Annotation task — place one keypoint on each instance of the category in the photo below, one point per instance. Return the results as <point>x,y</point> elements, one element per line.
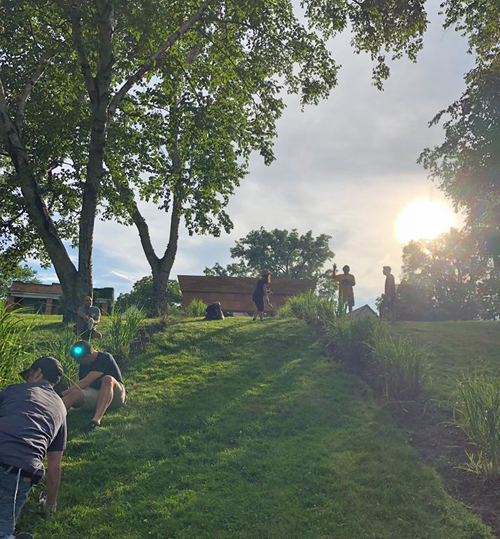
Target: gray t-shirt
<point>32,423</point>
<point>81,323</point>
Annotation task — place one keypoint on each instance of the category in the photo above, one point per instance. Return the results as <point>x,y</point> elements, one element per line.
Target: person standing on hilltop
<point>346,283</point>
<point>389,295</point>
<point>261,290</point>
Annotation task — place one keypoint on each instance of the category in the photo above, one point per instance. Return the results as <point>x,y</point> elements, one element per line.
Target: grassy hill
<point>245,430</point>
<point>455,347</point>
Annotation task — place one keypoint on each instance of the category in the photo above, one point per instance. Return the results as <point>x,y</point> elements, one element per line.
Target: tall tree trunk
<point>160,267</point>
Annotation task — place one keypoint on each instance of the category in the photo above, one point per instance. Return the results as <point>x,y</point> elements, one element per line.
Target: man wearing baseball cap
<point>32,425</point>
<point>100,383</point>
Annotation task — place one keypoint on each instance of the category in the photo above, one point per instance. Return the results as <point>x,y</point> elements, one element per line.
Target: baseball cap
<point>51,369</point>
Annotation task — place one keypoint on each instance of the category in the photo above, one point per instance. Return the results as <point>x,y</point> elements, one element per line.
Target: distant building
<point>46,298</point>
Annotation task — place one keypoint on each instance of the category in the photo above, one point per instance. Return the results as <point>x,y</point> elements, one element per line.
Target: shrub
<point>196,308</point>
<point>403,365</point>
<point>14,345</point>
<point>123,330</point>
<point>477,413</point>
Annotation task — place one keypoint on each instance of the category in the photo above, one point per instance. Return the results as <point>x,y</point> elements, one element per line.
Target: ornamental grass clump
<point>350,339</point>
<point>404,366</point>
<point>15,346</point>
<point>477,413</point>
<point>123,330</point>
<point>311,308</point>
<point>196,308</point>
<point>59,347</point>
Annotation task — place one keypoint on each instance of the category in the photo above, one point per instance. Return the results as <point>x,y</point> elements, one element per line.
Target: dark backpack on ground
<point>214,312</point>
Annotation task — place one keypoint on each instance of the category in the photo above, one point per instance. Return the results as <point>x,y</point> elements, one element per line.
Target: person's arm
<point>81,314</point>
<point>54,460</point>
<point>91,377</point>
<point>98,315</point>
<point>353,281</point>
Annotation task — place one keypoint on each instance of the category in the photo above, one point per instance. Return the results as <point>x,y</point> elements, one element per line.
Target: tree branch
<point>24,96</point>
<point>76,28</point>
<point>149,64</point>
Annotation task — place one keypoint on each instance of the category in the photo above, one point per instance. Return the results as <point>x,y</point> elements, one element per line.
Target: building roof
<point>365,309</point>
<point>51,289</point>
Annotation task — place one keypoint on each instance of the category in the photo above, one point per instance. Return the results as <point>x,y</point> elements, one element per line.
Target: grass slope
<point>244,430</point>
<point>455,347</point>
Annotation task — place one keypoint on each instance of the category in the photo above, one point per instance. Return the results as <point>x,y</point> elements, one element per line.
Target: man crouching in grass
<point>100,386</point>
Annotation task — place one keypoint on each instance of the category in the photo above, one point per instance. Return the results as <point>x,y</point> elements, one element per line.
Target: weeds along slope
<point>244,430</point>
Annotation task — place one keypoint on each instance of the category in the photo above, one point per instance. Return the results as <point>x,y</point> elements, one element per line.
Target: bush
<point>14,345</point>
<point>403,364</point>
<point>478,415</point>
<point>123,330</point>
<point>196,308</point>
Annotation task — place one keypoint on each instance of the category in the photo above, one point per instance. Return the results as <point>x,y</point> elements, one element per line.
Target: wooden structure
<point>235,293</point>
<point>44,298</point>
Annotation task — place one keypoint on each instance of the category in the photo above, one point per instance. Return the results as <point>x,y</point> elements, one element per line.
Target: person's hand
<point>334,269</point>
<point>45,507</point>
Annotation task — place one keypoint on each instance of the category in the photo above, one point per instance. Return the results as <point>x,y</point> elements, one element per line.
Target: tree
<point>441,278</point>
<point>9,274</point>
<point>77,77</point>
<point>143,295</point>
<point>283,253</point>
<point>466,165</point>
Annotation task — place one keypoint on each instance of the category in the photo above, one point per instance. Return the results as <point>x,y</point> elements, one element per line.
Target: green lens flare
<point>77,350</point>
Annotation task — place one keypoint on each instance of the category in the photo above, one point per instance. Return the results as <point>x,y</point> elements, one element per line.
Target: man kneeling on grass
<point>100,386</point>
<point>32,425</point>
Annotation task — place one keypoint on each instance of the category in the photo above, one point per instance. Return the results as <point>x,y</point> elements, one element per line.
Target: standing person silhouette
<point>346,283</point>
<point>262,289</point>
<point>389,295</point>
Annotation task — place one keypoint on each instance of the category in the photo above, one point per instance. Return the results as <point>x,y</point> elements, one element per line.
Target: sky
<point>346,168</point>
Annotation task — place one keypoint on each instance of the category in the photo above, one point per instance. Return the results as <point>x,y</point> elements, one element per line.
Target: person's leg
<point>96,334</point>
<point>261,315</point>
<point>13,493</point>
<point>75,397</point>
<point>106,394</point>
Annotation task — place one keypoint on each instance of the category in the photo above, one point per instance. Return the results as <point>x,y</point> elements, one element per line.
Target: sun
<point>424,219</point>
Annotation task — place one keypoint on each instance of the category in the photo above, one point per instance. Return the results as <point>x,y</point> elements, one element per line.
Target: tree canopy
<point>19,272</point>
<point>447,279</point>
<point>100,100</point>
<point>284,253</point>
<point>466,166</point>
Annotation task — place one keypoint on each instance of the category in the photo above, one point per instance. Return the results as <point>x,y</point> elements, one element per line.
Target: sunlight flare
<point>424,219</point>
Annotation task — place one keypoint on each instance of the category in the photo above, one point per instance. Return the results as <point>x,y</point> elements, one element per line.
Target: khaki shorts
<point>91,396</point>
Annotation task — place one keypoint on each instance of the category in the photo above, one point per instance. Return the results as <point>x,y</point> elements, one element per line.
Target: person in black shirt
<point>100,386</point>
<point>32,425</point>
<point>261,290</point>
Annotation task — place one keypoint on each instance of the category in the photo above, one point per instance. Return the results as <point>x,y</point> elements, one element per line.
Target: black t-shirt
<point>32,423</point>
<point>259,289</point>
<point>104,363</point>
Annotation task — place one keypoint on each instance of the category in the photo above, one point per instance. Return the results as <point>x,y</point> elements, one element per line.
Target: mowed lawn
<point>245,430</point>
<point>455,348</point>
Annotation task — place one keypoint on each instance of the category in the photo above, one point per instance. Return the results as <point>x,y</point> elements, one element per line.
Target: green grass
<point>244,430</point>
<point>455,347</point>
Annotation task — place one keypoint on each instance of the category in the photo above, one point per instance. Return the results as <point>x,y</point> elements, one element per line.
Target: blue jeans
<point>14,490</point>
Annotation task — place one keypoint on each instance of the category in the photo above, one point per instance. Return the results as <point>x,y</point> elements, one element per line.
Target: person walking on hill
<point>346,283</point>
<point>261,291</point>
<point>100,386</point>
<point>87,318</point>
<point>389,296</point>
<point>32,426</point>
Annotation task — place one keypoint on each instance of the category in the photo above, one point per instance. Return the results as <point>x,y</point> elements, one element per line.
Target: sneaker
<point>24,535</point>
<point>92,426</point>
